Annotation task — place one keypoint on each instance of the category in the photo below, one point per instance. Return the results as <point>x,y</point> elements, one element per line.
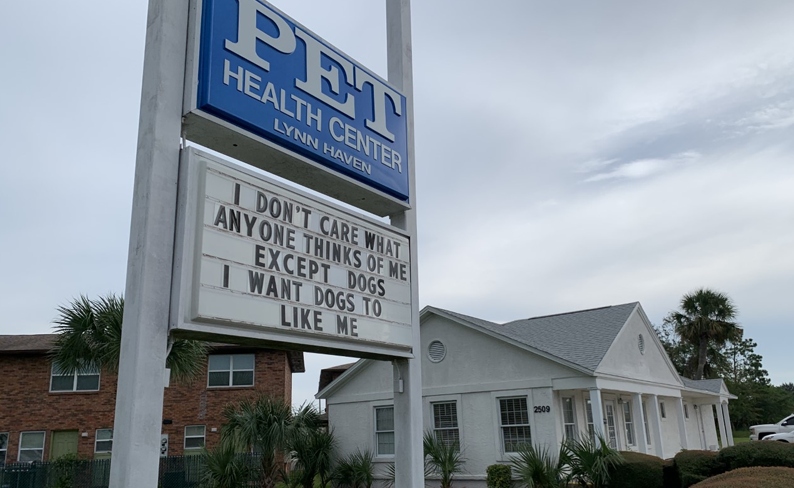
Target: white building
<point>542,379</point>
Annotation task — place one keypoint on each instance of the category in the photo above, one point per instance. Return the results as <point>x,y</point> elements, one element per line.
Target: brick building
<point>45,414</point>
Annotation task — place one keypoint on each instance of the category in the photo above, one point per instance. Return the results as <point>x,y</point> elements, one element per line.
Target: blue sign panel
<point>263,73</point>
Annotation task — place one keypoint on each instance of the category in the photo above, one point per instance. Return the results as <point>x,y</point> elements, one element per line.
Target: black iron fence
<point>175,472</point>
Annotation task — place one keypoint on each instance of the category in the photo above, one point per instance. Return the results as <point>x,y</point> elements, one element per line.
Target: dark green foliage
<point>754,454</point>
<point>538,467</point>
<point>751,478</point>
<point>695,466</point>
<point>89,336</point>
<point>313,451</point>
<point>637,470</point>
<point>444,460</point>
<point>499,476</point>
<point>670,475</point>
<point>225,468</point>
<point>355,471</point>
<point>591,461</point>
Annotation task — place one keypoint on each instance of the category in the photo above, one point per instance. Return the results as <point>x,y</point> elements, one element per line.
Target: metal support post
<point>409,457</point>
<point>139,400</point>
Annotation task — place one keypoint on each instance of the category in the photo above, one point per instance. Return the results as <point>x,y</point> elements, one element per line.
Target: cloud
<point>644,168</point>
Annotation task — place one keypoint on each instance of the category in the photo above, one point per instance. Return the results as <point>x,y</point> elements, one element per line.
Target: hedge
<point>695,466</point>
<point>753,454</point>
<point>638,470</point>
<point>499,476</point>
<point>767,477</point>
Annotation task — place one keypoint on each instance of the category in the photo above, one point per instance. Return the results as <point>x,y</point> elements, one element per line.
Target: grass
<point>740,436</point>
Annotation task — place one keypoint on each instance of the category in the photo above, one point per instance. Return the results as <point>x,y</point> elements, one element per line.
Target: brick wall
<point>26,403</point>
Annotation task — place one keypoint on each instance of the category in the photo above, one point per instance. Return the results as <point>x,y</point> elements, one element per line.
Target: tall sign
<point>260,74</point>
<point>262,261</point>
<point>221,253</point>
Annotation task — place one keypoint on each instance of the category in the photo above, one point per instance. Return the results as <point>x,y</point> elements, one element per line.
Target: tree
<point>89,337</point>
<point>705,318</point>
<point>267,425</point>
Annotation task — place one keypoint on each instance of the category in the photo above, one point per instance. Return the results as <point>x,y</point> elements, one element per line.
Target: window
<point>445,422</point>
<point>384,431</point>
<point>662,411</point>
<point>3,448</point>
<point>628,423</point>
<point>590,425</point>
<point>645,421</point>
<point>104,441</point>
<point>86,379</point>
<point>31,447</point>
<point>231,370</point>
<point>514,422</point>
<point>194,436</point>
<point>686,411</point>
<point>569,419</point>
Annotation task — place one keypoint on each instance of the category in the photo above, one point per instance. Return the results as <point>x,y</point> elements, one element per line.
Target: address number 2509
<point>543,409</point>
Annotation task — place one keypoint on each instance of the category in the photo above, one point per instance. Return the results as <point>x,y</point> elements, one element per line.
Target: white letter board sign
<point>259,262</point>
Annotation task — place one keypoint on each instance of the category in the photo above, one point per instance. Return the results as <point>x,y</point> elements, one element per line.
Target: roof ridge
<point>575,311</point>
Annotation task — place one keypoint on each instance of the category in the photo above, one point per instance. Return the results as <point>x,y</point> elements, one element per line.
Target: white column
<point>139,398</point>
<point>721,423</point>
<point>728,423</point>
<point>679,404</point>
<point>656,425</point>
<point>409,454</point>
<point>598,412</point>
<point>639,422</point>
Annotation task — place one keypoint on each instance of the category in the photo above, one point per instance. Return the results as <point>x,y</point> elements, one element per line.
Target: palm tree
<point>89,337</point>
<point>705,317</point>
<point>443,458</point>
<point>267,425</point>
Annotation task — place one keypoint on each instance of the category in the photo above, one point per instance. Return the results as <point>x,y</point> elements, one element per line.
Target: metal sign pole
<point>409,456</point>
<point>139,400</point>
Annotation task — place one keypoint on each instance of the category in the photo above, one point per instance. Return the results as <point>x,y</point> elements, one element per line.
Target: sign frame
<point>227,138</point>
<point>187,257</point>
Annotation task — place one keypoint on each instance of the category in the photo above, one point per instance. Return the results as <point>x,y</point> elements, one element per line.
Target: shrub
<point>443,459</point>
<point>766,477</point>
<point>754,454</point>
<point>670,475</point>
<point>637,470</point>
<point>591,461</point>
<point>499,476</point>
<point>538,467</point>
<point>695,466</point>
<point>355,471</point>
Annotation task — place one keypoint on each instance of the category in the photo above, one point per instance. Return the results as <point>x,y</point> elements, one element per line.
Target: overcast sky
<point>570,155</point>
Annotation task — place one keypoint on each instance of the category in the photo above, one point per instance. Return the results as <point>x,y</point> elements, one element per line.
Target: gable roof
<point>581,338</point>
<point>715,385</point>
<point>42,343</point>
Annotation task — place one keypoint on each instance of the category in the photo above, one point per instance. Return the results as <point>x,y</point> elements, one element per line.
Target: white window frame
<point>97,440</point>
<point>436,428</point>
<point>662,410</point>
<point>231,371</point>
<point>4,449</point>
<point>686,411</point>
<point>628,424</point>
<point>385,431</point>
<point>74,376</point>
<point>43,444</point>
<point>203,438</point>
<point>502,426</point>
<point>575,436</point>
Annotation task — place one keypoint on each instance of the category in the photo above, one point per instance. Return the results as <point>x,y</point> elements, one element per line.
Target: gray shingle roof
<point>712,386</point>
<point>581,337</point>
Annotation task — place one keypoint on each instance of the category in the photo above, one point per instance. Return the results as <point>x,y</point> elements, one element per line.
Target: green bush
<point>766,477</point>
<point>695,466</point>
<point>637,470</point>
<point>670,475</point>
<point>755,454</point>
<point>499,476</point>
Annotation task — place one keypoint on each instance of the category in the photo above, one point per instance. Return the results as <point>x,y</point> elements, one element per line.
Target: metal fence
<point>175,472</point>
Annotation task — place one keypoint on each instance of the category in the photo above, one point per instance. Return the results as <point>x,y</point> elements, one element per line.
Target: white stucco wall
<point>624,358</point>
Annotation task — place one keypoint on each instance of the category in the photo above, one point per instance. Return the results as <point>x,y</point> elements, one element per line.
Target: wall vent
<point>437,351</point>
<point>641,344</point>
